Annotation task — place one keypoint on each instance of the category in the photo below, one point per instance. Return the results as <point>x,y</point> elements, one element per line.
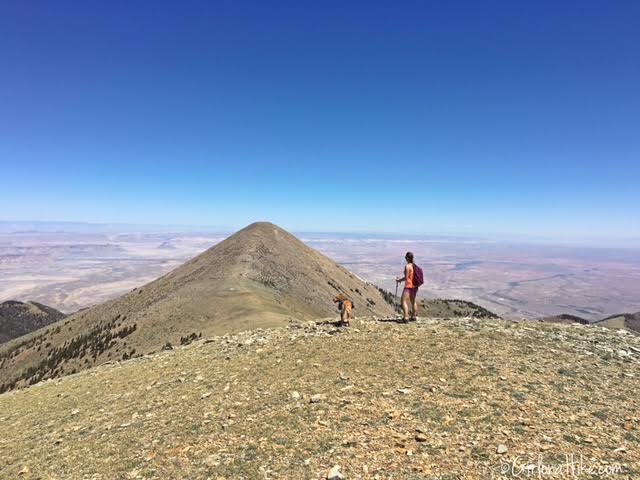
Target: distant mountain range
<point>20,318</point>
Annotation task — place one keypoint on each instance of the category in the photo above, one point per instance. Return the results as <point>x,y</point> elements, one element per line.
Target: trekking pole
<point>396,298</point>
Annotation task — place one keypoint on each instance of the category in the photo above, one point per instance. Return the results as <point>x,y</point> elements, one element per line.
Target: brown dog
<point>345,305</point>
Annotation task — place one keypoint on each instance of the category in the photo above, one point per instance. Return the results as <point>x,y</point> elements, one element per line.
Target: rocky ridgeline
<point>438,398</point>
<point>587,340</point>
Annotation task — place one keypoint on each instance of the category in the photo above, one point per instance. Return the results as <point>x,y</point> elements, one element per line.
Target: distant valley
<point>70,270</point>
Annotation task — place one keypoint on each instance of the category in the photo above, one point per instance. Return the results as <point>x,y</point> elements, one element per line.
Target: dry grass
<point>427,400</point>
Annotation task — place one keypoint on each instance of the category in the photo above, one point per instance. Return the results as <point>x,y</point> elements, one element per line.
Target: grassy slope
<point>261,276</point>
<point>226,409</point>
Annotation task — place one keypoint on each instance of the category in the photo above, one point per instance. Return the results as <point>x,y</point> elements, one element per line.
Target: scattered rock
<point>134,474</point>
<point>380,417</point>
<point>335,474</point>
<point>317,398</point>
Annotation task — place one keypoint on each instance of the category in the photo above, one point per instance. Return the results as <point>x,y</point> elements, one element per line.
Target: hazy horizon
<point>73,265</point>
<point>10,226</point>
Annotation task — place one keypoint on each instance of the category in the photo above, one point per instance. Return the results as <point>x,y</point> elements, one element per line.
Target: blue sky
<point>473,117</point>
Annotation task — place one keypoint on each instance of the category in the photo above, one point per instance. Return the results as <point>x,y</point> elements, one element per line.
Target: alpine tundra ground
<point>437,399</point>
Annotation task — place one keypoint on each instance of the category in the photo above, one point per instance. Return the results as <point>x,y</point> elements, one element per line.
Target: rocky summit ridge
<point>438,398</point>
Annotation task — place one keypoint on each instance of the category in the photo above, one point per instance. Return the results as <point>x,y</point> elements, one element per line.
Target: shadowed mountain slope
<point>448,308</point>
<point>261,276</point>
<point>20,318</point>
<point>565,318</point>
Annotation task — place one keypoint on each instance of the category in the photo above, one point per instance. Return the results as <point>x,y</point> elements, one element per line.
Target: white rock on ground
<point>335,474</point>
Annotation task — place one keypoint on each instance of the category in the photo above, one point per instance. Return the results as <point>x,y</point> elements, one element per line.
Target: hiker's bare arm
<point>400,280</point>
<point>408,271</point>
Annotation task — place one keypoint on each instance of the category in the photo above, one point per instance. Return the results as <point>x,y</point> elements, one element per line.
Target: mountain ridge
<point>629,321</point>
<point>20,318</point>
<point>261,276</point>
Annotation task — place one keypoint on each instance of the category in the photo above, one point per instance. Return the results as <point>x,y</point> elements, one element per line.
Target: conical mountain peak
<point>261,276</point>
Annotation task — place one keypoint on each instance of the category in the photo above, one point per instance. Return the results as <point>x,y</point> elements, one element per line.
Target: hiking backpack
<point>418,276</point>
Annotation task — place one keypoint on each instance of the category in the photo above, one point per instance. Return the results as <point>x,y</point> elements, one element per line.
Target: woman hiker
<point>410,290</point>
